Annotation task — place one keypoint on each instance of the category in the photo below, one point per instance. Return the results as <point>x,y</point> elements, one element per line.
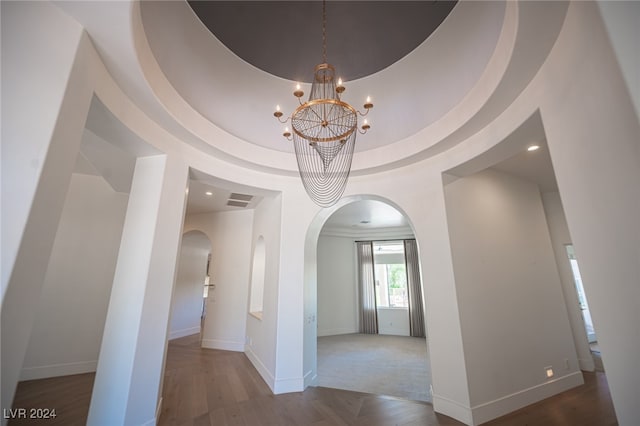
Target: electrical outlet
<point>566,364</point>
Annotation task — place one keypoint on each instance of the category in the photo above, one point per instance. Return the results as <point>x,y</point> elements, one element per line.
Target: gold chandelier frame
<point>324,132</point>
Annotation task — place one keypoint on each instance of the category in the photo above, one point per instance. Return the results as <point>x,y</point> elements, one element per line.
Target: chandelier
<point>323,130</point>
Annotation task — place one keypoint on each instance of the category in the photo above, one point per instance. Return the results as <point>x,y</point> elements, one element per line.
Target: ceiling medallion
<point>324,132</point>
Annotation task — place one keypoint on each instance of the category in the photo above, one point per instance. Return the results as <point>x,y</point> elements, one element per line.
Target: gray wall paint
<point>513,315</point>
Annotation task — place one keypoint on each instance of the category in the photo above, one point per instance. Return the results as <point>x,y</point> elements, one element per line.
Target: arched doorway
<point>337,353</point>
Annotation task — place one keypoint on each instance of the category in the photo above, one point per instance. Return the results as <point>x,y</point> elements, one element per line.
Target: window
<point>390,274</point>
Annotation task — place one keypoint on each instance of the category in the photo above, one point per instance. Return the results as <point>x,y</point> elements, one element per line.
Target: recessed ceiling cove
<point>284,38</point>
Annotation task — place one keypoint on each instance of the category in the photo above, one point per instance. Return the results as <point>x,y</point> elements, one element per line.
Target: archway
<point>338,325</point>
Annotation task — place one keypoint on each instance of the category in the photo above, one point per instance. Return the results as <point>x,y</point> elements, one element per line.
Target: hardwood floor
<point>210,387</point>
<point>68,395</point>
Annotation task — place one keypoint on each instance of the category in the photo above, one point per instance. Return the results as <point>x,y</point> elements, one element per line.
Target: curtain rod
<point>382,241</point>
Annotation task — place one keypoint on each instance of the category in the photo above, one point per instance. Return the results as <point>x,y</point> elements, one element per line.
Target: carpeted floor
<point>384,365</point>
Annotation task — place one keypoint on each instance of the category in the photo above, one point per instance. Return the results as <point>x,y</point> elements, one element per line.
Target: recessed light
<point>209,193</point>
<point>533,148</point>
<point>549,372</point>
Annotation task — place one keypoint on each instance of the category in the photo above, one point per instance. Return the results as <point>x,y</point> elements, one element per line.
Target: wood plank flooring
<point>68,395</point>
<point>210,387</point>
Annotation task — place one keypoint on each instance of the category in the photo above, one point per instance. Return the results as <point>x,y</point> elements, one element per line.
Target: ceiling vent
<point>240,197</point>
<point>235,203</point>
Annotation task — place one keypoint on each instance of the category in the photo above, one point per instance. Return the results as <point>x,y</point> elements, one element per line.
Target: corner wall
<point>512,310</point>
<point>337,287</point>
<point>67,332</point>
<point>560,236</point>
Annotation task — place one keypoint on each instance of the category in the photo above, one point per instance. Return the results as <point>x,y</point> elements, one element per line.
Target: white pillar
<point>131,359</point>
<point>593,136</point>
<point>46,95</point>
<point>444,330</point>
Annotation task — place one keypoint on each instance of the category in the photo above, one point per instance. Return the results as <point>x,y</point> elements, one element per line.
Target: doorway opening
<point>391,360</point>
<point>584,309</point>
<point>192,286</point>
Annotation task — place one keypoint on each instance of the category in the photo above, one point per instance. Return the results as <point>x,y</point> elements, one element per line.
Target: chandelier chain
<point>323,131</point>
<point>324,32</point>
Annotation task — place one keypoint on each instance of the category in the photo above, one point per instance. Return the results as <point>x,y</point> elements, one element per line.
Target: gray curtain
<point>367,286</point>
<point>414,287</point>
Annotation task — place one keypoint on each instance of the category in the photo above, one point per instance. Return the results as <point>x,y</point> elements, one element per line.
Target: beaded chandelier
<point>323,130</point>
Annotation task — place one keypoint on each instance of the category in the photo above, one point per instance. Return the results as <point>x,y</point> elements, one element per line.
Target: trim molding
<point>55,370</point>
<point>292,384</point>
<point>587,364</point>
<point>310,379</point>
<point>262,369</point>
<point>225,345</point>
<point>158,411</point>
<point>336,331</point>
<point>506,404</point>
<point>452,408</point>
<point>400,232</point>
<point>184,332</point>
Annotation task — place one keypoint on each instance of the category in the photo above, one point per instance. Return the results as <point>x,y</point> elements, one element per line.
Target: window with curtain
<point>366,285</point>
<point>389,277</point>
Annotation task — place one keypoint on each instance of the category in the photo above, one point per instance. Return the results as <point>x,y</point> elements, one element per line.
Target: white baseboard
<point>158,411</point>
<point>310,379</point>
<point>55,370</point>
<point>152,422</point>
<point>184,332</point>
<point>292,384</point>
<point>262,369</point>
<point>501,406</point>
<point>224,345</point>
<point>586,364</point>
<point>452,408</point>
<point>336,331</point>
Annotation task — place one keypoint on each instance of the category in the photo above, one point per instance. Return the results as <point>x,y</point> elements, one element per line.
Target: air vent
<point>235,203</point>
<point>240,197</point>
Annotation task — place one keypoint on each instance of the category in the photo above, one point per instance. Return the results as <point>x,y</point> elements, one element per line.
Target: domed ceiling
<point>233,62</point>
<point>284,38</point>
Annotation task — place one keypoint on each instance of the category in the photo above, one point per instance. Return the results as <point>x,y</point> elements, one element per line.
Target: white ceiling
<point>533,166</point>
<point>366,214</point>
<point>199,201</point>
<point>239,98</point>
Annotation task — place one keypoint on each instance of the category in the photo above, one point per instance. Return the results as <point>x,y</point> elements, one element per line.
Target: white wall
<point>230,236</point>
<point>513,316</point>
<point>44,83</point>
<point>560,236</point>
<point>186,305</point>
<point>394,321</point>
<point>70,318</point>
<point>592,132</point>
<point>337,289</point>
<point>262,332</point>
<point>621,21</point>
